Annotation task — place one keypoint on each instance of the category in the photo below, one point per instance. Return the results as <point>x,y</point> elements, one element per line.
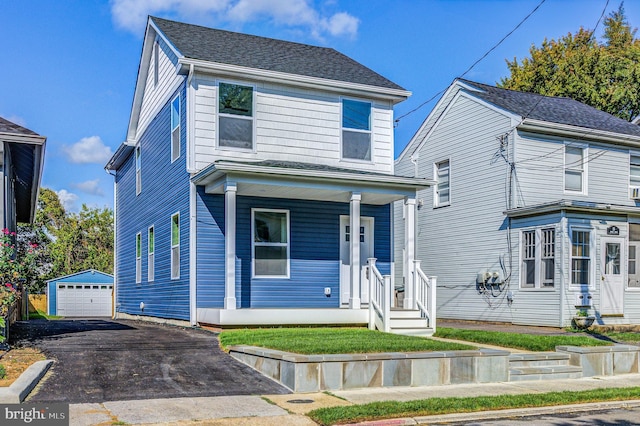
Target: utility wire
<point>495,46</point>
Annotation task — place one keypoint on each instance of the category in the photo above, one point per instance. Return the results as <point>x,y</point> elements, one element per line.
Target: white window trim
<point>436,198</point>
<point>151,262</point>
<point>137,158</point>
<point>174,157</point>
<point>253,117</point>
<point>538,260</point>
<point>253,244</point>
<point>585,167</point>
<point>138,258</point>
<point>370,131</point>
<point>176,277</point>
<point>631,154</point>
<point>592,255</point>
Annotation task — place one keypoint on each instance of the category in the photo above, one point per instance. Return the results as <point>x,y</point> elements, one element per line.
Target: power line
<point>495,46</point>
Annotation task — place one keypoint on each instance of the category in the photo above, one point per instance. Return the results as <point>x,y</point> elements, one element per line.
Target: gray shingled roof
<point>7,126</point>
<point>213,45</point>
<point>553,109</point>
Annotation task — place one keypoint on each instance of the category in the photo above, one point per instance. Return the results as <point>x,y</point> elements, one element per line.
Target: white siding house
<point>533,214</point>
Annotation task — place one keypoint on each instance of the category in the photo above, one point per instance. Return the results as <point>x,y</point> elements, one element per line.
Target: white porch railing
<point>380,297</point>
<point>425,293</point>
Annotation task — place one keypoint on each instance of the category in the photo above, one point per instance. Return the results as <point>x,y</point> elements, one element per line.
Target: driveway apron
<point>103,360</point>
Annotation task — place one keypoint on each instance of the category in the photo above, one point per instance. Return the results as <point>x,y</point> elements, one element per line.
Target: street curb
<point>512,413</point>
<point>18,391</point>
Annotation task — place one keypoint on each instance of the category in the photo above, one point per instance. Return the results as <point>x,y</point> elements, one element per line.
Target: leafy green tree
<point>605,75</point>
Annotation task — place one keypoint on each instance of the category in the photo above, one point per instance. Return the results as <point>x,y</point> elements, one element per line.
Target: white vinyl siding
<point>175,128</point>
<point>575,169</point>
<point>580,257</point>
<point>138,258</point>
<point>270,248</point>
<point>290,125</point>
<point>538,258</point>
<point>151,243</point>
<point>442,173</point>
<point>175,246</point>
<point>138,170</point>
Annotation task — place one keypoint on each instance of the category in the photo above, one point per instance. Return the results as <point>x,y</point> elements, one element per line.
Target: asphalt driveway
<point>103,360</point>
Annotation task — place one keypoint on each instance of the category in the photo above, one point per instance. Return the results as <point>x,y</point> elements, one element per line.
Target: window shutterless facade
<point>175,129</point>
<point>580,257</point>
<point>151,243</point>
<point>574,168</point>
<point>442,189</point>
<point>235,116</point>
<point>356,130</point>
<point>270,229</point>
<point>138,258</point>
<point>138,170</point>
<point>175,246</point>
<point>538,258</point>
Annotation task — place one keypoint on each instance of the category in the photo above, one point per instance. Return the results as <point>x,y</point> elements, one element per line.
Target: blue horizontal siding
<point>165,191</point>
<point>314,252</point>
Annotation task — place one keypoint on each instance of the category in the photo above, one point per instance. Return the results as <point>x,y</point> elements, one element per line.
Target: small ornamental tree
<point>14,270</point>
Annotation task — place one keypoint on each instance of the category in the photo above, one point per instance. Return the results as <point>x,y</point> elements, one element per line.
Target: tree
<point>605,75</point>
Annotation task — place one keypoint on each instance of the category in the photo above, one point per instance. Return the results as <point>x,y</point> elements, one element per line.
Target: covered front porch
<point>289,255</point>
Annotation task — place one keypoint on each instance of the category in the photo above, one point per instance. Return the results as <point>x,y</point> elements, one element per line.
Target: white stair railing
<point>425,292</point>
<point>379,298</point>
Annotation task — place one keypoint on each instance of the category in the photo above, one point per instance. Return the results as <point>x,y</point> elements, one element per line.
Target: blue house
<point>248,164</point>
<point>83,294</point>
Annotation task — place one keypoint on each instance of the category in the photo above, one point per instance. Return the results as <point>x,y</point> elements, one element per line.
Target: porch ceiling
<point>306,182</point>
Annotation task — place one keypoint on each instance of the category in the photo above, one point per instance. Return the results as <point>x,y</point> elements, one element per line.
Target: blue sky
<point>69,66</point>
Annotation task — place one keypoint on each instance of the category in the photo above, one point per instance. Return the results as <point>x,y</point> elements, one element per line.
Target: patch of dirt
<point>16,361</point>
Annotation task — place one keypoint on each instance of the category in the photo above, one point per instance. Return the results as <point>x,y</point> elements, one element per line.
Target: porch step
<point>542,366</point>
<point>413,331</point>
<point>404,313</point>
<point>409,322</point>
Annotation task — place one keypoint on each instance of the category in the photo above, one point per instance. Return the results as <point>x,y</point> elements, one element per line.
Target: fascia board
<point>569,205</point>
<point>394,95</point>
<point>22,138</point>
<point>124,150</point>
<point>575,132</point>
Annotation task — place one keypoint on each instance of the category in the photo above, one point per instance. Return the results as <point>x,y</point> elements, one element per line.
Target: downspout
<point>414,159</point>
<point>565,234</point>
<point>190,124</point>
<point>114,297</point>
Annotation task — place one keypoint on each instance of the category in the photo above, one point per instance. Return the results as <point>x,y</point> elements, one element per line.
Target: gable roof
<point>7,126</point>
<point>552,109</point>
<point>226,47</point>
<point>85,272</point>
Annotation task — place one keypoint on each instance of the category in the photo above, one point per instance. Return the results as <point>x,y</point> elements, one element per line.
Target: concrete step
<point>545,373</point>
<point>413,331</point>
<point>541,359</point>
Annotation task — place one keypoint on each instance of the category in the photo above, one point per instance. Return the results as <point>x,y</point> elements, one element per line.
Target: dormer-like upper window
<point>235,116</point>
<point>175,129</point>
<point>356,130</point>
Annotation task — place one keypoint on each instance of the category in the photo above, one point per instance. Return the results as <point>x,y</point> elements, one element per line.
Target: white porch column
<point>354,249</point>
<point>230,189</point>
<point>409,251</point>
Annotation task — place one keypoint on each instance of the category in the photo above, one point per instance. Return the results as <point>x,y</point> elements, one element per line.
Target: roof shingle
<point>7,126</point>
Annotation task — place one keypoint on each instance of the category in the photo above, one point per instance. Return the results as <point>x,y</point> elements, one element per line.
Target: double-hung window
<point>175,246</point>
<point>151,242</point>
<point>235,116</point>
<point>156,63</point>
<point>270,243</point>
<point>138,258</point>
<point>442,189</point>
<point>138,171</point>
<point>175,129</point>
<point>574,168</point>
<point>634,255</point>
<point>538,258</point>
<point>356,130</point>
<point>580,257</point>
<point>634,176</point>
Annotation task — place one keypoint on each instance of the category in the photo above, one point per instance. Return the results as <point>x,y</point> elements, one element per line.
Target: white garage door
<point>84,300</point>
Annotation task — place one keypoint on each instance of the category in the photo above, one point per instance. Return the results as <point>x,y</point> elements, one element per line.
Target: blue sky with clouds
<point>69,66</point>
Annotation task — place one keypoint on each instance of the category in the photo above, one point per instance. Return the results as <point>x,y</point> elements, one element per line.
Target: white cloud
<point>67,199</point>
<point>89,187</point>
<point>88,150</point>
<point>132,14</point>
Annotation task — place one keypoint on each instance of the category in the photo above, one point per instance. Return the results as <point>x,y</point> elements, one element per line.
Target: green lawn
<point>310,341</point>
<point>42,315</point>
<point>623,337</point>
<point>529,342</point>
<point>435,406</point>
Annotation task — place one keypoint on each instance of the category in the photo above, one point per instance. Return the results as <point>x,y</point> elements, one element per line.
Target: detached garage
<point>83,294</point>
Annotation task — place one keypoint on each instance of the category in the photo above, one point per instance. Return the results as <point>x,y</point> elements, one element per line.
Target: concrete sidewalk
<point>282,410</point>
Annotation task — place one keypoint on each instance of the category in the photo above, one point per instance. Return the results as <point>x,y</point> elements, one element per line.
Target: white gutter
<point>579,132</point>
<point>295,79</point>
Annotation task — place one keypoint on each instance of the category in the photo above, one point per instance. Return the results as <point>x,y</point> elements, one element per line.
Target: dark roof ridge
<point>7,126</point>
<point>475,83</point>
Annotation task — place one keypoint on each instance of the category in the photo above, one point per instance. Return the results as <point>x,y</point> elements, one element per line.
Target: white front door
<point>612,276</point>
<point>366,251</point>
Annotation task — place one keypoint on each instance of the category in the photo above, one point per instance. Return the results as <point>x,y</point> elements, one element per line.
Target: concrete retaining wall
<point>603,360</point>
<point>314,373</point>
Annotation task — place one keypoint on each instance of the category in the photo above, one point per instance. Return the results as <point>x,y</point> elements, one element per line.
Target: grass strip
<point>618,336</point>
<point>327,340</point>
<point>42,315</point>
<point>528,342</point>
<point>437,406</point>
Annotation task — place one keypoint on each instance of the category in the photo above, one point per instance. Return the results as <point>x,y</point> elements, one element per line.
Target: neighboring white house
<point>535,211</point>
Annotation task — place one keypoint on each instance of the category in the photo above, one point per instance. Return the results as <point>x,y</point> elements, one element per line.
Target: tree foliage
<point>69,242</point>
<point>605,74</point>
